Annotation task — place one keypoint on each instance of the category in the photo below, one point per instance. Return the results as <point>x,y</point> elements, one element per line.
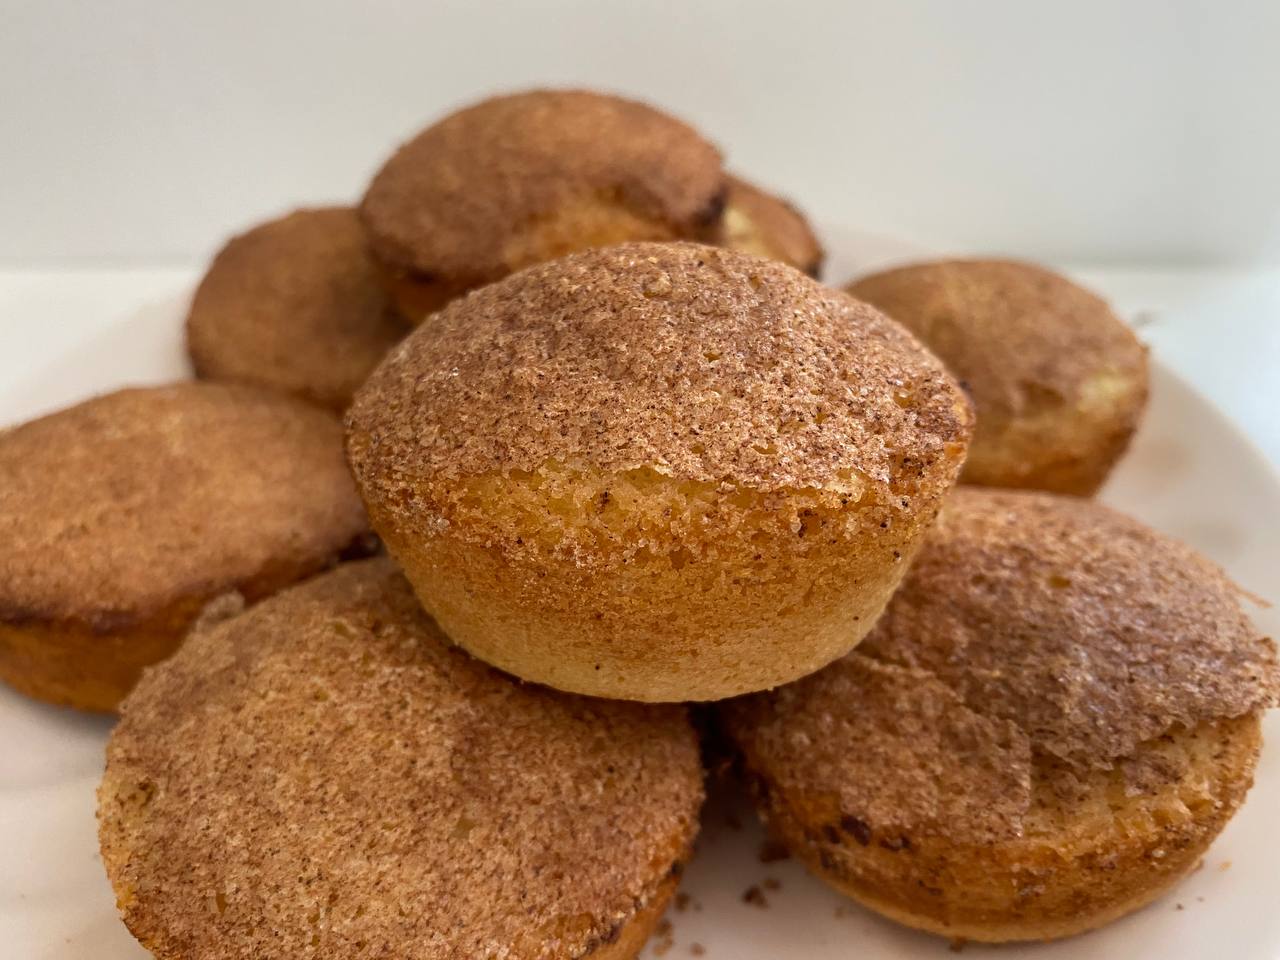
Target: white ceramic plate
<point>1190,474</point>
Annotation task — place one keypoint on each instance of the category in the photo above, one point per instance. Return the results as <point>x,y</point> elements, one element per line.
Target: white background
<point>1137,131</point>
<point>1134,144</point>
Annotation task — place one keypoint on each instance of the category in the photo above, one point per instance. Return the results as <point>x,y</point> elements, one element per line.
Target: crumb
<point>662,939</point>
<point>732,822</point>
<point>956,945</point>
<point>771,851</point>
<point>1178,906</point>
<point>697,949</point>
<point>1224,865</point>
<point>682,902</point>
<point>720,768</point>
<point>755,896</point>
<point>771,883</point>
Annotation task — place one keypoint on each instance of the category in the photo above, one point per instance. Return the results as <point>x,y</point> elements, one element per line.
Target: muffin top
<point>116,508</point>
<point>1030,626</point>
<point>294,304</point>
<point>448,201</point>
<point>327,771</point>
<point>1013,333</point>
<point>759,222</point>
<point>700,363</point>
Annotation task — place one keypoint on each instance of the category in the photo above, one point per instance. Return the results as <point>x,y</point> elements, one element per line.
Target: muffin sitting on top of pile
<point>657,471</point>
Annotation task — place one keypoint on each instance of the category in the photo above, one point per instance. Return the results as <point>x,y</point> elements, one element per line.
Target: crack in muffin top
<point>700,363</point>
<point>447,201</point>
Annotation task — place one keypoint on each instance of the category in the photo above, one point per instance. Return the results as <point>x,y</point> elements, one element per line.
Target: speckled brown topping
<point>1089,630</point>
<point>115,508</point>
<point>760,222</point>
<point>1013,333</point>
<point>840,732</point>
<point>1029,626</point>
<point>446,201</point>
<point>703,364</point>
<point>294,304</point>
<point>326,776</point>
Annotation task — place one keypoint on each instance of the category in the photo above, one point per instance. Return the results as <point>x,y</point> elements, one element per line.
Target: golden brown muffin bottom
<point>1075,869</point>
<point>735,609</point>
<point>630,938</point>
<point>71,665</point>
<point>759,222</point>
<point>416,296</point>
<point>1059,444</point>
<point>92,667</point>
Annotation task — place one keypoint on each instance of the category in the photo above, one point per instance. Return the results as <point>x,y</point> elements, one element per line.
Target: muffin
<point>326,775</point>
<point>758,222</point>
<point>1056,715</point>
<point>1059,383</point>
<point>656,471</point>
<point>295,304</point>
<point>128,517</point>
<point>518,179</point>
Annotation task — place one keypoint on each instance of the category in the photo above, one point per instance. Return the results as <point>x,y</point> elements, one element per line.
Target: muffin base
<point>1044,886</point>
<point>74,665</point>
<point>669,636</point>
<point>635,933</point>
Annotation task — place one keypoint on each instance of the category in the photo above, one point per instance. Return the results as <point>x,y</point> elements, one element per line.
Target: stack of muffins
<point>621,452</point>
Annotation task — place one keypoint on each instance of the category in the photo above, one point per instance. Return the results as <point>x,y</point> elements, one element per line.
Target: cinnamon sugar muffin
<point>758,222</point>
<point>127,517</point>
<point>295,304</point>
<point>326,775</point>
<point>1058,381</point>
<point>526,177</point>
<point>656,471</point>
<point>1056,715</point>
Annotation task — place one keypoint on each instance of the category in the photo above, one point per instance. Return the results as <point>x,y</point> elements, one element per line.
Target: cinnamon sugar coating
<point>327,774</point>
<point>1058,381</point>
<point>1086,628</point>
<point>703,364</point>
<point>1033,633</point>
<point>117,508</point>
<point>839,732</point>
<point>295,304</point>
<point>477,194</point>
